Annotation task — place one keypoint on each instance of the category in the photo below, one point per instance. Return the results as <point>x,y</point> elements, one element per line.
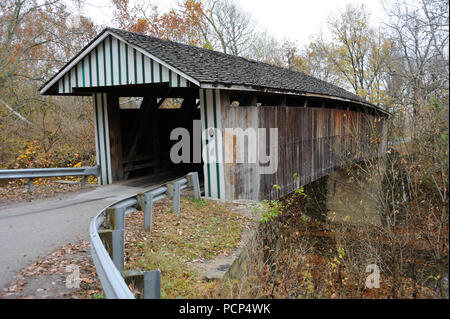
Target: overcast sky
<point>295,20</point>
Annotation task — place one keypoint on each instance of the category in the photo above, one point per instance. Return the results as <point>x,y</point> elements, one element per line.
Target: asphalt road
<point>30,230</point>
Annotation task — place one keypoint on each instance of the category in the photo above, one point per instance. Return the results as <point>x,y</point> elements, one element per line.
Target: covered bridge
<point>315,122</point>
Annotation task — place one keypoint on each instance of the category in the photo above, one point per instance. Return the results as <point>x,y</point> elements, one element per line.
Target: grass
<point>203,230</point>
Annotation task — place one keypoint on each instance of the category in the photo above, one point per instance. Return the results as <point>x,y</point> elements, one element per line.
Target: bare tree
<point>265,48</point>
<point>420,30</point>
<point>36,39</point>
<point>229,26</point>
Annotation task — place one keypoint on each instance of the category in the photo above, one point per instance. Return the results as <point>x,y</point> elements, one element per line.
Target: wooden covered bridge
<point>131,78</point>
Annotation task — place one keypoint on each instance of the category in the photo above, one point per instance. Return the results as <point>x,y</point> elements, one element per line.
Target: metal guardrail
<point>107,233</point>
<point>32,173</point>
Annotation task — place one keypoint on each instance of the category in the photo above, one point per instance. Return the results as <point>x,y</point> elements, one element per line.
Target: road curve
<point>30,230</point>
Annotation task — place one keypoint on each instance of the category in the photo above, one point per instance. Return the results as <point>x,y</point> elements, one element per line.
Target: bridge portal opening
<point>139,122</point>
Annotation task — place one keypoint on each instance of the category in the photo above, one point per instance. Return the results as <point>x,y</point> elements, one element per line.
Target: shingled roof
<point>208,66</point>
<point>213,68</point>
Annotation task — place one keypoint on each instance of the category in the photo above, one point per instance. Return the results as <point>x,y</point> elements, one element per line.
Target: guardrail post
<point>30,184</point>
<point>148,211</point>
<point>115,221</point>
<point>194,182</point>
<point>176,197</point>
<point>118,248</point>
<point>173,192</point>
<point>145,203</point>
<point>152,284</point>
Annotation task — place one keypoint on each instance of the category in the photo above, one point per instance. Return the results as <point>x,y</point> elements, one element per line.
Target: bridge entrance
<point>133,131</point>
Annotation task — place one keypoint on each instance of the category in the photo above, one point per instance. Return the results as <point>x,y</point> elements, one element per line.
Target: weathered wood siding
<point>312,142</point>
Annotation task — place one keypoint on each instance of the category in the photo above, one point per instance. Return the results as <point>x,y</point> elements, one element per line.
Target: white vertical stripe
<point>165,72</point>
<point>101,67</point>
<point>130,65</point>
<point>78,70</point>
<point>212,143</point>
<point>86,71</point>
<point>148,70</point>
<point>115,61</point>
<point>123,63</point>
<point>97,146</point>
<point>73,78</point>
<point>139,67</point>
<point>101,148</point>
<point>174,79</point>
<point>205,164</point>
<point>108,62</point>
<point>183,82</point>
<point>108,152</point>
<point>94,69</point>
<point>66,83</point>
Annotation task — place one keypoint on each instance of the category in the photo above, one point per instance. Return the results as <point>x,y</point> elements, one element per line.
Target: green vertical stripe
<point>126,60</point>
<point>160,73</point>
<point>207,134</point>
<point>178,80</point>
<point>104,139</point>
<point>111,59</point>
<point>119,62</point>
<point>99,150</point>
<point>216,145</point>
<point>104,64</point>
<point>170,78</point>
<point>143,67</point>
<point>63,84</point>
<point>135,66</point>
<point>152,70</point>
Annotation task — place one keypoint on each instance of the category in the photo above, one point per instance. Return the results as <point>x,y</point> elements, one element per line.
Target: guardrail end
<point>193,181</point>
<point>152,284</point>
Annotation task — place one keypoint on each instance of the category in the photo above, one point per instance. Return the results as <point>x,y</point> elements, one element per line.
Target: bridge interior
<point>140,121</point>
